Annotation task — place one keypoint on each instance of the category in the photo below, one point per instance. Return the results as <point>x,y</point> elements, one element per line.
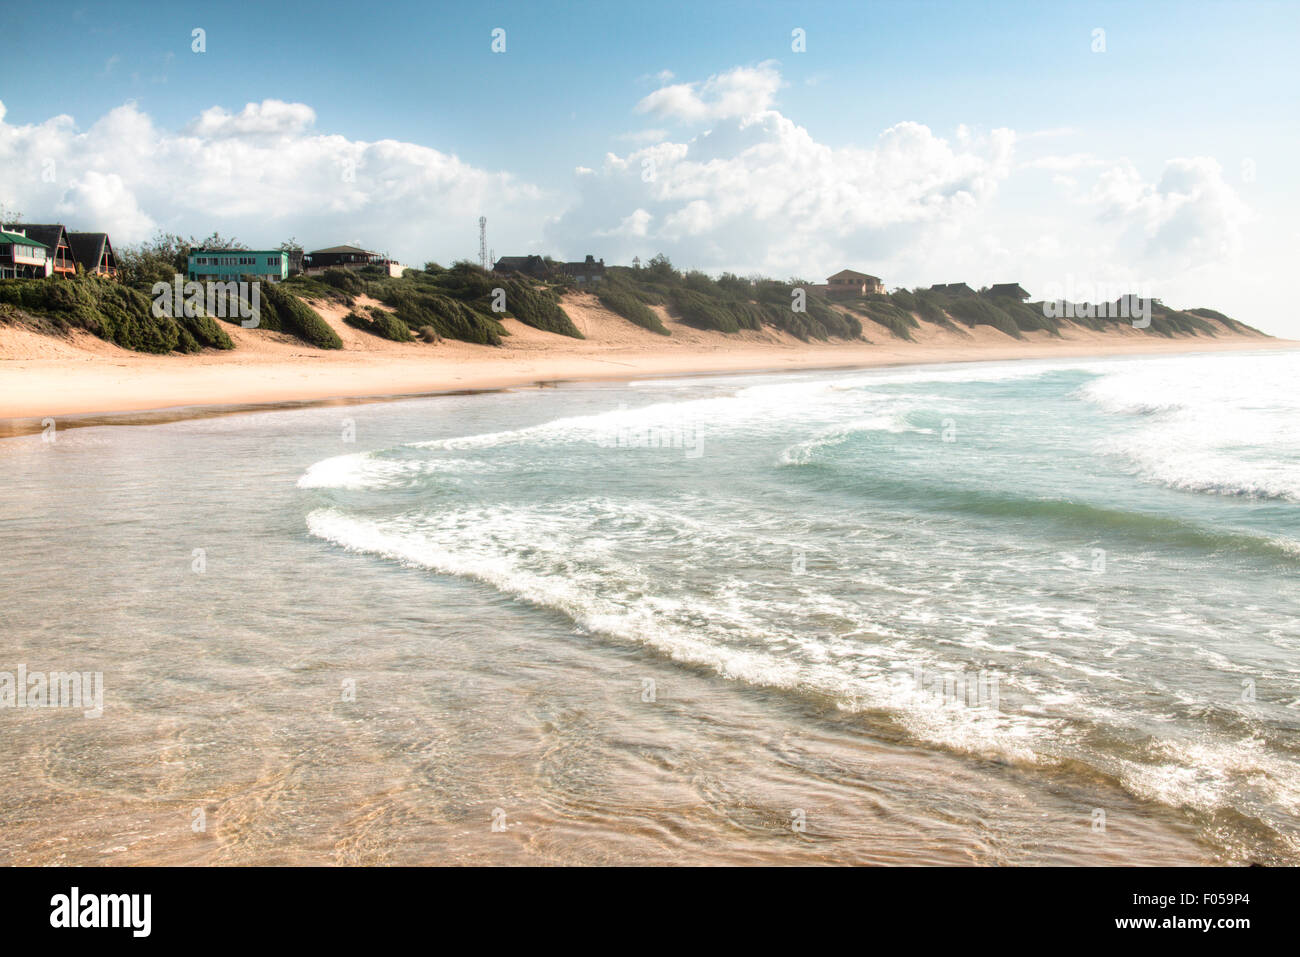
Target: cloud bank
<point>723,181</point>
<point>263,173</point>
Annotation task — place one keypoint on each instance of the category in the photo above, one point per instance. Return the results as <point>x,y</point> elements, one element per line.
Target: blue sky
<point>1128,165</point>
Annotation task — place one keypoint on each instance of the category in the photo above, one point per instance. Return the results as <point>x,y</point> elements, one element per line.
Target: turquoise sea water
<point>996,613</point>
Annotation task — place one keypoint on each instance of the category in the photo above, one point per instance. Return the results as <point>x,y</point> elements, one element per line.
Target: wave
<point>375,470</point>
<point>1226,428</point>
<point>803,453</point>
<point>526,556</point>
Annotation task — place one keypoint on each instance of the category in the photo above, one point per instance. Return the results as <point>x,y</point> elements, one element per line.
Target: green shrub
<point>978,312</point>
<point>380,323</point>
<point>282,311</point>
<point>537,306</point>
<point>344,280</point>
<point>110,310</point>
<point>632,309</point>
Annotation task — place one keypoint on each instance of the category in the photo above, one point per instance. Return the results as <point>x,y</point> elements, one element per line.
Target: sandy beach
<point>43,376</point>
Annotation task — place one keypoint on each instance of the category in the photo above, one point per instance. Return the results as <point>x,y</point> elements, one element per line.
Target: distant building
<point>953,289</point>
<point>94,254</point>
<point>55,239</point>
<point>534,266</point>
<point>229,265</point>
<point>22,257</point>
<point>589,270</point>
<point>849,282</point>
<point>348,257</point>
<point>1008,289</point>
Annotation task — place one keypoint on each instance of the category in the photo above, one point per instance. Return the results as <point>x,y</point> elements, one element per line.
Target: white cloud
<point>262,174</point>
<point>741,91</point>
<point>268,118</point>
<point>753,190</point>
<point>742,187</point>
<point>105,198</point>
<point>1189,218</point>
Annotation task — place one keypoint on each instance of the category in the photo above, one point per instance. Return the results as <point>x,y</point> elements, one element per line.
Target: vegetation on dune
<point>623,303</point>
<point>380,323</point>
<point>463,302</point>
<point>726,304</point>
<point>281,311</point>
<point>885,311</point>
<point>112,311</point>
<point>539,307</point>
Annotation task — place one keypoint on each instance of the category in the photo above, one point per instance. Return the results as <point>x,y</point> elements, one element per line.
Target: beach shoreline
<point>43,377</point>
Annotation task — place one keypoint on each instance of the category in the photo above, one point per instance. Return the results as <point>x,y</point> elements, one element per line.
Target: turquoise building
<point>228,265</point>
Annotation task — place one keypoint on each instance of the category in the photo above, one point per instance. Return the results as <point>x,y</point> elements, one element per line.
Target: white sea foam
<point>704,577</point>
<point>1228,427</point>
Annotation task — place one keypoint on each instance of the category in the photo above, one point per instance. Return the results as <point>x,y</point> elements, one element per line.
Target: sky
<point>1080,149</point>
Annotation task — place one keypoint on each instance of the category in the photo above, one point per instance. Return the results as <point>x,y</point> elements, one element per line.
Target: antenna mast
<point>482,242</point>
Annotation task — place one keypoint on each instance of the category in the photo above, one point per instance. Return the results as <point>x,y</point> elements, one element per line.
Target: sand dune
<point>47,376</point>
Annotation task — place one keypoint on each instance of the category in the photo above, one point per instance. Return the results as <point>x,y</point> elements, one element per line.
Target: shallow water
<point>1031,612</point>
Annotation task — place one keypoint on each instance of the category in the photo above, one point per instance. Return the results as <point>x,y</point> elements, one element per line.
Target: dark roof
<point>47,234</point>
<point>88,248</point>
<point>1008,289</point>
<point>953,288</point>
<point>7,239</point>
<point>519,264</point>
<point>587,265</point>
<point>853,274</point>
<point>343,249</point>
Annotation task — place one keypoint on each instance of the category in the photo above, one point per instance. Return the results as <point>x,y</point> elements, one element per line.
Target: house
<point>55,239</point>
<point>534,266</point>
<point>22,257</point>
<point>1008,289</point>
<point>589,270</point>
<point>348,257</point>
<point>94,254</point>
<point>953,289</point>
<point>229,265</point>
<point>849,282</point>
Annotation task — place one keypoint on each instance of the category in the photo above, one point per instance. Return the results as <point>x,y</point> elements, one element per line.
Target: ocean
<point>1031,612</point>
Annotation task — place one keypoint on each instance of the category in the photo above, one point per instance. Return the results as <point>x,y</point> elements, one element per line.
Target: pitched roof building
<point>953,289</point>
<point>22,257</point>
<point>589,270</point>
<point>348,257</point>
<point>850,282</point>
<point>1008,289</point>
<point>93,253</point>
<point>525,265</point>
<point>54,238</point>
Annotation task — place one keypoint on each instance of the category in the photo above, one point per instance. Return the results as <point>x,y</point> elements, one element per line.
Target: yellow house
<point>848,282</point>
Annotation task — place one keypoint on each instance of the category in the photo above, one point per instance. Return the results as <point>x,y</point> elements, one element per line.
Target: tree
<point>661,267</point>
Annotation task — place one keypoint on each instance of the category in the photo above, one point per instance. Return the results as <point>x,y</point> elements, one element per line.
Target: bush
<point>420,304</point>
<point>978,312</point>
<point>107,309</point>
<point>380,323</point>
<point>632,309</point>
<point>537,306</point>
<point>281,311</point>
<point>344,280</point>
